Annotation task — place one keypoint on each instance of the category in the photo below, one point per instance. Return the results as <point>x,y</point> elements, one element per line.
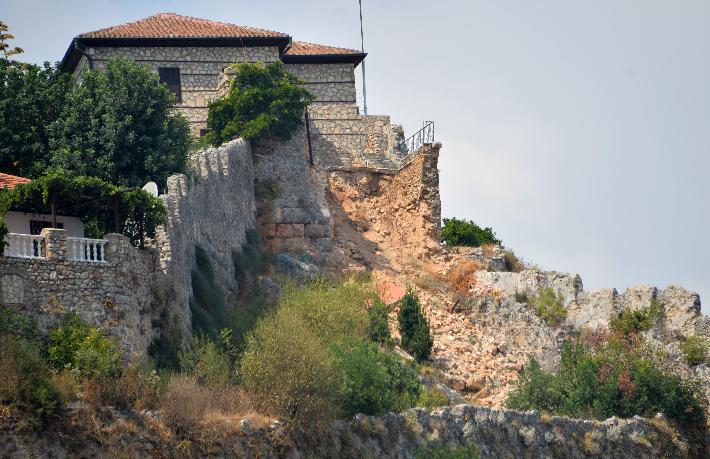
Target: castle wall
<point>213,207</point>
<point>135,292</point>
<point>298,219</point>
<point>116,296</point>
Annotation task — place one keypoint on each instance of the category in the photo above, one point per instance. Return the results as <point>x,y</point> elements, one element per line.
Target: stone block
<point>316,231</point>
<point>277,215</point>
<point>295,244</point>
<point>284,231</point>
<point>295,215</point>
<point>298,230</point>
<point>268,230</point>
<point>324,244</point>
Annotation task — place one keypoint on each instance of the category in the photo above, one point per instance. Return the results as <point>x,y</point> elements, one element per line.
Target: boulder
<point>287,265</point>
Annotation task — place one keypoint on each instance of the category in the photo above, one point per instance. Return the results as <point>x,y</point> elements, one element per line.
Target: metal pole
<point>362,48</point>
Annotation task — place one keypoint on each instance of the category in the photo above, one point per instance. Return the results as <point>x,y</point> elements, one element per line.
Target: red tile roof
<point>171,25</point>
<point>301,48</point>
<point>10,181</point>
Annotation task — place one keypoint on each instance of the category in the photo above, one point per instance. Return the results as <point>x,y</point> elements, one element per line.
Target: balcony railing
<point>422,136</point>
<point>83,249</point>
<point>24,246</point>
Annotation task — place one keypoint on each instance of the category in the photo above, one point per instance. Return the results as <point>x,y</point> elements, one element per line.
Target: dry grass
<point>188,405</point>
<point>461,276</point>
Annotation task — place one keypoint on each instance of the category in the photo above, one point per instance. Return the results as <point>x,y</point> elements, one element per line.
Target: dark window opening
<point>171,77</point>
<point>204,132</point>
<point>36,226</point>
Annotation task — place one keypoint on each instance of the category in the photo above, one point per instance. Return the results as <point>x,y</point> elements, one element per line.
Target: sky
<point>579,131</point>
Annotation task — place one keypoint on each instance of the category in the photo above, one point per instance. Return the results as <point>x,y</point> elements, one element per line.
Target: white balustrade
<point>83,249</point>
<point>24,246</point>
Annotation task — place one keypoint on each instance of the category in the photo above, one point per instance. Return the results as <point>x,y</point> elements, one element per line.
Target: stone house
<point>189,54</point>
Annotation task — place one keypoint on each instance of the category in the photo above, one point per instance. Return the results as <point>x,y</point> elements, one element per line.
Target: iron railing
<point>422,136</point>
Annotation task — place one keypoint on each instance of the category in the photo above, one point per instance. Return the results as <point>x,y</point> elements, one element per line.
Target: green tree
<point>262,101</point>
<point>119,125</point>
<point>466,233</point>
<point>4,45</point>
<point>31,99</point>
<point>414,327</point>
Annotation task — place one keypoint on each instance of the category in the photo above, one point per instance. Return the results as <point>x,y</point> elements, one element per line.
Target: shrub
<point>432,398</point>
<point>16,325</point>
<point>83,349</point>
<point>522,297</point>
<point>461,276</point>
<point>604,379</point>
<point>637,320</point>
<point>374,382</point>
<point>467,233</point>
<point>512,262</point>
<point>207,362</point>
<point>332,311</point>
<point>207,304</point>
<point>378,327</point>
<point>695,350</point>
<point>266,189</point>
<point>548,306</point>
<point>448,452</point>
<point>262,101</point>
<point>25,380</point>
<point>414,327</point>
<point>288,371</point>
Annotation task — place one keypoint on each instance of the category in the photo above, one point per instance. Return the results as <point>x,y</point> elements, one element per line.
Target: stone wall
<point>116,296</point>
<point>298,219</point>
<point>496,434</point>
<point>199,67</point>
<point>213,207</point>
<point>329,83</point>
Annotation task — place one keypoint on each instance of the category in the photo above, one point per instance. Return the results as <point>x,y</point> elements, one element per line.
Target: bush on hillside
<point>332,310</point>
<point>207,362</point>
<point>466,233</point>
<point>374,382</point>
<point>16,325</point>
<point>75,345</point>
<point>600,378</point>
<point>414,327</point>
<point>25,381</point>
<point>289,372</point>
<point>695,350</point>
<point>432,398</point>
<point>378,327</point>
<point>548,306</point>
<point>263,101</point>
<point>637,320</point>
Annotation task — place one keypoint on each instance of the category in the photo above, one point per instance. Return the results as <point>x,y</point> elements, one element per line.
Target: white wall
<point>19,222</point>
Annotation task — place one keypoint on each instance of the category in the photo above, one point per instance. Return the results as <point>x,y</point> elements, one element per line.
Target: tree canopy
<point>262,101</point>
<point>119,125</point>
<point>31,99</point>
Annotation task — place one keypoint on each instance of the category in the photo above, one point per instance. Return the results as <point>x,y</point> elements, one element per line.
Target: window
<point>171,77</point>
<point>36,226</point>
<point>204,132</point>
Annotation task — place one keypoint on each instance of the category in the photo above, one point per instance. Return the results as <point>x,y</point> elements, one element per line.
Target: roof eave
<point>72,55</point>
<point>354,58</point>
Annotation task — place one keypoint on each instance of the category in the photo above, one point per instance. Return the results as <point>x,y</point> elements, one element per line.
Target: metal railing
<point>24,246</point>
<point>418,139</point>
<point>83,249</point>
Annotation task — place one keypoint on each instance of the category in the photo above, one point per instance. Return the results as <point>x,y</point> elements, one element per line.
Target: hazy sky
<point>578,130</point>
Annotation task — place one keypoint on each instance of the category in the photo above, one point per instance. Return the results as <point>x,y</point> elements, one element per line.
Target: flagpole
<point>362,48</point>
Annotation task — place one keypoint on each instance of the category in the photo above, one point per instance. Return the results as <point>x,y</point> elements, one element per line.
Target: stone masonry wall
<point>213,207</point>
<point>199,69</point>
<point>496,433</point>
<point>116,296</point>
<point>298,220</point>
